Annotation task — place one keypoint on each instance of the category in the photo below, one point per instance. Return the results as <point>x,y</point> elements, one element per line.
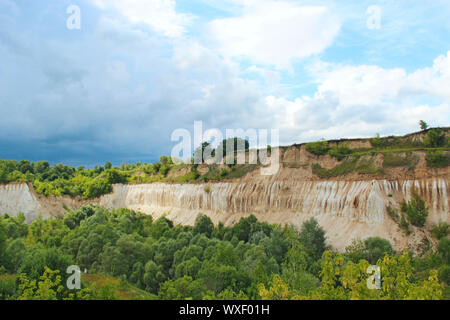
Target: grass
<point>438,159</point>
<point>368,167</point>
<point>396,160</point>
<point>397,150</point>
<point>295,165</point>
<point>348,166</point>
<point>241,170</point>
<point>122,290</point>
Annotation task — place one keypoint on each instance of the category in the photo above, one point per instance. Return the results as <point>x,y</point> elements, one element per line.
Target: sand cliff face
<point>18,198</point>
<point>346,209</point>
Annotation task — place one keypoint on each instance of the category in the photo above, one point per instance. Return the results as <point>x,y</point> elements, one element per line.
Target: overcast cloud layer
<point>118,87</point>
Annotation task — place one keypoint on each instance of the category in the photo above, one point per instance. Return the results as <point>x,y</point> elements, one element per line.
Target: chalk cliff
<point>348,206</point>
<point>346,209</point>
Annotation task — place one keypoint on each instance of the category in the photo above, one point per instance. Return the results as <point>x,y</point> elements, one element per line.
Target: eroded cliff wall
<point>18,198</point>
<point>346,209</point>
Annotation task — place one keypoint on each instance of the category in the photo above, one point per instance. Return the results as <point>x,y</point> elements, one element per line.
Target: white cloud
<point>159,14</point>
<point>275,32</point>
<point>355,101</point>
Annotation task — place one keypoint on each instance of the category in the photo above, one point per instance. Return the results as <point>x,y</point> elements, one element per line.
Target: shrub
<point>443,249</point>
<point>394,160</point>
<point>415,210</point>
<point>348,166</point>
<point>435,139</point>
<point>437,159</point>
<point>340,152</point>
<point>223,173</point>
<point>444,274</point>
<point>368,167</point>
<point>96,188</point>
<point>440,230</point>
<point>404,225</point>
<point>393,214</point>
<point>377,248</point>
<point>114,176</point>
<point>8,287</point>
<point>318,148</point>
<point>376,142</point>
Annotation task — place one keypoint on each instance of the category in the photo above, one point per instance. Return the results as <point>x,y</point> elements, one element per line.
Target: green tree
<point>203,224</point>
<point>312,237</point>
<point>278,290</point>
<point>443,249</point>
<point>423,125</point>
<point>113,176</point>
<point>435,138</point>
<point>184,288</point>
<point>377,248</point>
<point>2,243</point>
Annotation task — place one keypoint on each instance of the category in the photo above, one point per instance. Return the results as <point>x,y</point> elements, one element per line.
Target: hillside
<point>346,184</point>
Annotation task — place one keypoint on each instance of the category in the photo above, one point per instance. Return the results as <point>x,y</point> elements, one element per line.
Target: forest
<point>128,255</point>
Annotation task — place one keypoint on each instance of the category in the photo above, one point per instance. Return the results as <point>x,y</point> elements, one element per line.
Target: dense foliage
<point>251,260</point>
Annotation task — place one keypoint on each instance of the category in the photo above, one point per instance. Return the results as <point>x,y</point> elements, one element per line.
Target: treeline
<point>251,260</point>
<point>60,179</point>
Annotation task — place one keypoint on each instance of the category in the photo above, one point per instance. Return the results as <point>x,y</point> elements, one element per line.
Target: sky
<point>88,81</point>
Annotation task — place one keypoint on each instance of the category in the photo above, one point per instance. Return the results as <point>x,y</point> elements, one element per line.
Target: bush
<point>440,230</point>
<point>8,287</point>
<point>203,224</point>
<point>415,210</point>
<point>435,139</point>
<point>377,248</point>
<point>437,159</point>
<point>340,152</point>
<point>395,160</point>
<point>348,166</point>
<point>376,142</point>
<point>318,148</point>
<point>223,173</point>
<point>443,249</point>
<point>404,225</point>
<point>444,274</point>
<point>393,213</point>
<point>164,170</point>
<point>114,176</point>
<point>96,188</point>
